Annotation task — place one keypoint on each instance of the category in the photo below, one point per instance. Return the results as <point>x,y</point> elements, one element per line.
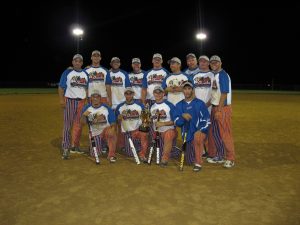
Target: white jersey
<point>100,118</point>
<point>221,84</point>
<point>154,78</point>
<point>131,115</point>
<point>192,72</point>
<point>74,83</point>
<point>203,85</point>
<point>166,111</point>
<point>97,79</point>
<point>136,81</point>
<point>119,81</point>
<point>174,80</point>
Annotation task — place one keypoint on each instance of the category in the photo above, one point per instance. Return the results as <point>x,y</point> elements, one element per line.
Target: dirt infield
<point>37,187</point>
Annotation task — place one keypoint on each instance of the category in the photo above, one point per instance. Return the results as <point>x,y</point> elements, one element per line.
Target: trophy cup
<point>146,120</point>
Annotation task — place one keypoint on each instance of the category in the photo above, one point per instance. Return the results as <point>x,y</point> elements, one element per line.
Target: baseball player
<point>72,92</point>
<point>220,135</point>
<point>165,126</point>
<point>191,61</point>
<point>193,118</point>
<point>136,78</point>
<point>152,78</point>
<point>102,122</point>
<point>172,83</point>
<point>119,81</point>
<point>128,113</point>
<point>99,78</point>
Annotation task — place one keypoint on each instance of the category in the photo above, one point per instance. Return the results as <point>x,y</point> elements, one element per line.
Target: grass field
<point>37,187</point>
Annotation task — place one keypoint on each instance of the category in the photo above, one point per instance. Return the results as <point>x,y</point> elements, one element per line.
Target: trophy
<point>146,119</point>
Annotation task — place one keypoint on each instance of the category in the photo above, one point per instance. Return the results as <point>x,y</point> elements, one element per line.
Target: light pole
<point>201,36</point>
<point>78,32</point>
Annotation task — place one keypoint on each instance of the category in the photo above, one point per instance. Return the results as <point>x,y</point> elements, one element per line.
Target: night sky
<point>255,42</point>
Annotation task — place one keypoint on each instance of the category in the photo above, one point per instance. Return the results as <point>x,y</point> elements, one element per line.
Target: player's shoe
<point>197,168</point>
<point>112,159</point>
<point>104,150</point>
<point>164,164</point>
<point>215,160</point>
<point>228,164</point>
<point>205,154</point>
<point>66,153</point>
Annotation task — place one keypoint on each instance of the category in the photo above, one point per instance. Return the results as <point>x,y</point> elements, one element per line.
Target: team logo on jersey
<point>97,118</point>
<point>117,81</point>
<point>161,113</point>
<point>214,85</point>
<point>202,81</point>
<point>175,83</point>
<point>129,114</point>
<point>155,79</point>
<point>94,76</point>
<point>78,81</point>
<point>135,81</point>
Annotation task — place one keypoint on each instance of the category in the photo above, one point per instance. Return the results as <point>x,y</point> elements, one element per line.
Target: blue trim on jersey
<point>224,82</point>
<point>63,79</point>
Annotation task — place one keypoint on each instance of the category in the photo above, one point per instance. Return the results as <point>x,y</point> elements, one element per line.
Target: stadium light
<point>78,32</point>
<point>201,36</point>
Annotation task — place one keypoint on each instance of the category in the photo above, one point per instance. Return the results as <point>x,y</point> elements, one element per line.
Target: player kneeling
<point>102,122</point>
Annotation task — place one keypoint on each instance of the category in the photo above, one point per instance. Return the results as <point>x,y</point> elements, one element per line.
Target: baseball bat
<point>183,148</point>
<point>93,143</point>
<point>137,160</point>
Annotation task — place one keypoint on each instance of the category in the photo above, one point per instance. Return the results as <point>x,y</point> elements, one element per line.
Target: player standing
<point>136,78</point>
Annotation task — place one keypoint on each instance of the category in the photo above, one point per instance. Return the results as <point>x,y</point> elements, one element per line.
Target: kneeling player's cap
<point>129,89</point>
<point>77,56</point>
<point>187,83</point>
<point>115,59</point>
<point>203,57</point>
<point>190,55</point>
<point>215,58</point>
<point>95,92</point>
<point>96,52</point>
<point>136,60</point>
<point>157,55</point>
<point>158,88</point>
<point>174,59</point>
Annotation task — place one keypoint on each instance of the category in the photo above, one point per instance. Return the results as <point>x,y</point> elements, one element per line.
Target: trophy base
<point>144,129</point>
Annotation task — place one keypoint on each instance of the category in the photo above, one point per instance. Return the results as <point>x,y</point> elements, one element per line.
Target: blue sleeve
<point>224,82</point>
<point>144,82</point>
<point>203,118</point>
<point>127,81</point>
<point>85,108</point>
<point>63,79</point>
<point>117,111</point>
<point>179,121</point>
<point>164,83</point>
<point>168,73</point>
<point>108,78</point>
<point>111,115</point>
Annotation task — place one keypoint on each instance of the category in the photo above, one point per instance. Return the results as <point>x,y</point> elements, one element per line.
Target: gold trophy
<point>146,119</point>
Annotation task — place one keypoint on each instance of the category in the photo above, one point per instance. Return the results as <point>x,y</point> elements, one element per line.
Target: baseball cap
<point>174,59</point>
<point>96,52</point>
<point>187,83</point>
<point>115,59</point>
<point>158,88</point>
<point>129,89</point>
<point>192,55</point>
<point>77,56</point>
<point>136,60</point>
<point>215,58</point>
<point>157,55</point>
<point>203,57</point>
<point>95,92</point>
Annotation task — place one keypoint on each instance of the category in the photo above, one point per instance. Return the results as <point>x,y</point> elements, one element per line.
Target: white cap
<point>174,59</point>
<point>129,89</point>
<point>158,88</point>
<point>157,55</point>
<point>203,57</point>
<point>192,55</point>
<point>95,92</point>
<point>215,58</point>
<point>187,83</point>
<point>136,60</point>
<point>96,52</point>
<point>77,56</point>
<point>115,59</point>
